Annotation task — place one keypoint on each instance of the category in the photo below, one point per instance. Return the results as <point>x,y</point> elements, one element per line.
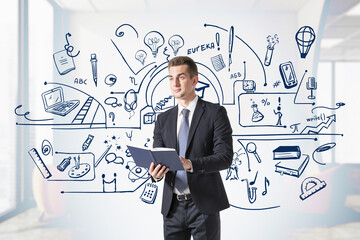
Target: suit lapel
<point>198,112</point>
<point>172,128</point>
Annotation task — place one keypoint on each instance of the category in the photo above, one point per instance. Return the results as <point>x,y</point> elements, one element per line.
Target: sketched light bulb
<point>141,56</point>
<point>154,40</point>
<point>176,42</point>
<point>305,37</point>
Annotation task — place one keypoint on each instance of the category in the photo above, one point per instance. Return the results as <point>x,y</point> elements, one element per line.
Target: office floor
<point>28,227</point>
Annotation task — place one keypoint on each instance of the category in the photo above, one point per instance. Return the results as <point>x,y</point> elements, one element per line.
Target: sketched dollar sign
<point>69,49</point>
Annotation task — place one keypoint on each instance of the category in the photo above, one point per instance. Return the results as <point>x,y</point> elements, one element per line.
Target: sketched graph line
<point>317,129</point>
<point>122,56</point>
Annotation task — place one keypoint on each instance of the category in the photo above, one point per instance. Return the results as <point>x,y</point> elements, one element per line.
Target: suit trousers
<point>185,220</point>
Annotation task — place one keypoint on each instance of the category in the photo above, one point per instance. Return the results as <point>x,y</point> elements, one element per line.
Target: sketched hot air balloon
<point>305,37</point>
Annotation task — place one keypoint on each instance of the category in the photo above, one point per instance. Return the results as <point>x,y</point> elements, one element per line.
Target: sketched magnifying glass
<point>251,148</point>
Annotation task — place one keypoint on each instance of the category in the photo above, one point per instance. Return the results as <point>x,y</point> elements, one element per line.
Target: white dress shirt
<point>191,108</point>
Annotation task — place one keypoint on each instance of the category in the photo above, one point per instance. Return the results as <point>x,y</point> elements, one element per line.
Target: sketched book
<point>165,156</point>
<point>287,152</point>
<point>293,167</point>
<point>63,62</point>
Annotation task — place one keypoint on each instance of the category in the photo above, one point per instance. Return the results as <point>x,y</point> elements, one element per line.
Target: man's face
<point>181,84</point>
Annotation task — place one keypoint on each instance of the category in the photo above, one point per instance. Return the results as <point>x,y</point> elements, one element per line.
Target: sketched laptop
<point>54,102</point>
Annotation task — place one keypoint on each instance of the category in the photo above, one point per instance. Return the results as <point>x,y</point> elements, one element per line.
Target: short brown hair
<point>184,60</point>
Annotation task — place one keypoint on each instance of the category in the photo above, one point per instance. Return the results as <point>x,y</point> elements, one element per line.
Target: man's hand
<point>158,172</point>
<point>186,163</point>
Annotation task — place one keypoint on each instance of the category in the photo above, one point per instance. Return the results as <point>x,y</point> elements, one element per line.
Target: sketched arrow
<point>318,128</point>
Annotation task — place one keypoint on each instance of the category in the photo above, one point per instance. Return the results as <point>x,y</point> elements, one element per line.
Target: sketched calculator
<point>54,102</point>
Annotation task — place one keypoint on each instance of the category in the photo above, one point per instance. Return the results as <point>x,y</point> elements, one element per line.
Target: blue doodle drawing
<point>293,167</point>
<point>217,39</point>
<point>130,102</point>
<point>338,105</point>
<point>251,148</point>
<point>176,42</point>
<point>257,116</point>
<point>141,55</point>
<point>278,113</point>
<point>135,172</point>
<point>305,37</point>
<point>149,193</point>
<point>288,75</point>
<point>93,61</point>
<point>78,166</point>
<point>272,41</point>
<point>63,63</point>
<point>112,101</point>
<point>231,44</point>
<point>255,54</point>
<point>39,162</point>
<point>46,148</point>
<point>69,49</point>
<point>109,186</point>
<point>165,54</point>
<point>154,40</point>
<point>251,191</point>
<point>119,33</point>
<point>310,186</point>
<point>322,148</point>
<point>112,117</point>
<point>25,115</point>
<point>110,80</point>
<point>311,85</point>
<point>317,129</point>
<point>233,171</point>
<point>112,158</point>
<point>218,62</point>
<point>55,103</point>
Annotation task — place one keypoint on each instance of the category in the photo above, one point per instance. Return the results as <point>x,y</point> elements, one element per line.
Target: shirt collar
<point>190,107</point>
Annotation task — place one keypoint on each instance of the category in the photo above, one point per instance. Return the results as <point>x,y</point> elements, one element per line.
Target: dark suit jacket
<point>210,150</point>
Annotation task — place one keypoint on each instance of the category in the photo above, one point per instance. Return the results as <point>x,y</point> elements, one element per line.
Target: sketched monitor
<point>54,102</point>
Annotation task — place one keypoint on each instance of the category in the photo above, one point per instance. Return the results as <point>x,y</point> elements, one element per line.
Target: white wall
<point>123,214</point>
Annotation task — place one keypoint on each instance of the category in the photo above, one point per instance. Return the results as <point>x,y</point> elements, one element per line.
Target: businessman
<point>201,133</point>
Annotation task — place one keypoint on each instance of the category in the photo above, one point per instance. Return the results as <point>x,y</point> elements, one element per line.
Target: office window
<point>8,97</point>
<point>347,87</point>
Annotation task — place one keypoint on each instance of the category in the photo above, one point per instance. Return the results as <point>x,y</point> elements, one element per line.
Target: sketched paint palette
<point>81,167</point>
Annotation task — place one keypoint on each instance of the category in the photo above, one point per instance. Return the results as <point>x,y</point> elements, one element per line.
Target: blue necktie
<point>181,178</point>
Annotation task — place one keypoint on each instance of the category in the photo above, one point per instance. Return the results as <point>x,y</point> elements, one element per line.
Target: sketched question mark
<point>112,116</point>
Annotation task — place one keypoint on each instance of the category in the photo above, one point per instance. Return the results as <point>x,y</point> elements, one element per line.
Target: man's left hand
<point>186,163</point>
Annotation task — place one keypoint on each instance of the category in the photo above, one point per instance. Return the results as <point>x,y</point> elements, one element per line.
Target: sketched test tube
<point>268,56</point>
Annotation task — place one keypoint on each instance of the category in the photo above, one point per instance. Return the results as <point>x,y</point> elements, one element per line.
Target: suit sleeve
<point>222,146</point>
<point>158,140</point>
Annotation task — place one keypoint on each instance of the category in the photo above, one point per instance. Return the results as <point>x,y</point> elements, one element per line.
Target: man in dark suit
<point>201,133</point>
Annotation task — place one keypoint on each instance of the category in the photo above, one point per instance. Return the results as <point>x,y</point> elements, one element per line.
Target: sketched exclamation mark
<point>217,37</point>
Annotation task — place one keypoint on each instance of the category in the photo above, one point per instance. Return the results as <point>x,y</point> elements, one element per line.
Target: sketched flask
<point>257,115</point>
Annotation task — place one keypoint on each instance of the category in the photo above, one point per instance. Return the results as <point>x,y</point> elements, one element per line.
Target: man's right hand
<point>157,172</point>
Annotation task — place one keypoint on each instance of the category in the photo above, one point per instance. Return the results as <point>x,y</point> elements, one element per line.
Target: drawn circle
<point>251,147</point>
<point>110,80</point>
<point>46,148</point>
<point>325,147</point>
